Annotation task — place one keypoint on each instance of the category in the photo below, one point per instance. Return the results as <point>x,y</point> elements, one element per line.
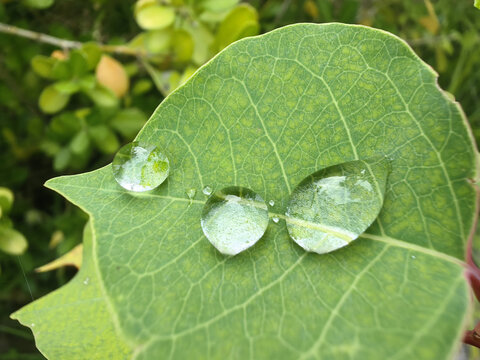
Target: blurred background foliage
<point>69,102</point>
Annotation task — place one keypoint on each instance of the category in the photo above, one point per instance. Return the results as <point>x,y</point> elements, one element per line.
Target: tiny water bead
<point>234,218</point>
<point>140,167</point>
<point>271,203</point>
<point>207,190</point>
<point>335,205</point>
<point>275,219</point>
<point>191,193</point>
<point>86,281</point>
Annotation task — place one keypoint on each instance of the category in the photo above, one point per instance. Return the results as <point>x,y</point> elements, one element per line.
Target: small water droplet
<point>140,167</point>
<point>191,193</point>
<point>414,257</point>
<point>32,325</point>
<point>271,202</point>
<point>207,190</point>
<point>234,219</point>
<point>86,281</point>
<point>275,219</point>
<point>333,206</point>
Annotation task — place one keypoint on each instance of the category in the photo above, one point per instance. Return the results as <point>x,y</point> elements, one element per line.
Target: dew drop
<point>32,325</point>
<point>191,193</point>
<point>207,190</point>
<point>335,205</point>
<point>140,167</point>
<point>86,281</point>
<point>414,257</point>
<point>234,218</point>
<point>275,219</point>
<point>271,203</point>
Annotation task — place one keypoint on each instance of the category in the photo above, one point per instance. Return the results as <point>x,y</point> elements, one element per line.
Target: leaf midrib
<point>381,238</point>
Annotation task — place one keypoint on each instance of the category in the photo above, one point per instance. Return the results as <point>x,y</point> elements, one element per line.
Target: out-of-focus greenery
<point>67,109</point>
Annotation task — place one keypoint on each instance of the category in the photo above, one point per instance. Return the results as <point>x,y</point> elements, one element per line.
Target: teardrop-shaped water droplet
<point>191,193</point>
<point>140,167</point>
<point>86,281</point>
<point>275,219</point>
<point>234,219</point>
<point>271,203</point>
<point>207,190</point>
<point>333,206</point>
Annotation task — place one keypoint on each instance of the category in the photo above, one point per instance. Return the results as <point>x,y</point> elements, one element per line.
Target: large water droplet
<point>333,206</point>
<point>140,167</point>
<point>234,219</point>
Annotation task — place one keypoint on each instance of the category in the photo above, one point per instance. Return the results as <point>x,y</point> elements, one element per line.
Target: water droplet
<point>191,193</point>
<point>234,219</point>
<point>207,190</point>
<point>333,206</point>
<point>414,257</point>
<point>271,202</point>
<point>32,325</point>
<point>275,219</point>
<point>86,281</point>
<point>140,167</point>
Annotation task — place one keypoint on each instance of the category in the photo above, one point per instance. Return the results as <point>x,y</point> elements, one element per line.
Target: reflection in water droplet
<point>271,202</point>
<point>86,281</point>
<point>234,219</point>
<point>140,167</point>
<point>333,206</point>
<point>414,257</point>
<point>32,324</point>
<point>207,190</point>
<point>275,219</point>
<point>191,193</point>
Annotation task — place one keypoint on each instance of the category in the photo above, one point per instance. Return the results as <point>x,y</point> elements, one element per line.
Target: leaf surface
<point>265,113</point>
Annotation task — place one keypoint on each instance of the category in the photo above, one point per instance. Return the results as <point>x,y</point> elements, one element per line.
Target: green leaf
<point>239,23</point>
<point>218,6</point>
<point>102,96</point>
<point>86,289</point>
<point>154,17</point>
<point>92,54</point>
<point>39,4</point>
<point>67,87</point>
<point>263,114</point>
<point>43,65</point>
<point>11,241</point>
<point>51,100</point>
<point>6,200</point>
<point>128,122</point>
<point>80,143</point>
<point>104,138</point>
<point>182,46</point>
<point>477,4</point>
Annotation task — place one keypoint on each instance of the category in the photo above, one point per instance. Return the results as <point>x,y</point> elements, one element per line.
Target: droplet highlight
<point>275,219</point>
<point>86,281</point>
<point>207,190</point>
<point>334,206</point>
<point>271,203</point>
<point>140,167</point>
<point>191,193</point>
<point>234,219</point>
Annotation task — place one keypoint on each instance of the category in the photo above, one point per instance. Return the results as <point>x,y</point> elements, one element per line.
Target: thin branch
<point>66,44</point>
<point>47,39</point>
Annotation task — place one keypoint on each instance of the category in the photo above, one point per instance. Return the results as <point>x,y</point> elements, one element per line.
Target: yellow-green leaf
<point>51,100</point>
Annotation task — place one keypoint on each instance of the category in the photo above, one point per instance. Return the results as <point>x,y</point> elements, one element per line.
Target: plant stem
<point>66,44</point>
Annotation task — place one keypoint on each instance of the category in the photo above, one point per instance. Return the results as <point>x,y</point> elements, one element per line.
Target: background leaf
<point>265,113</point>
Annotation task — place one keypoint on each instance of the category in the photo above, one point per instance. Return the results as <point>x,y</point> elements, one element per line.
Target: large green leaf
<point>265,113</point>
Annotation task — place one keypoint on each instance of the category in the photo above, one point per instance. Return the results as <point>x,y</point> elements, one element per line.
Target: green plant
<point>265,113</point>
